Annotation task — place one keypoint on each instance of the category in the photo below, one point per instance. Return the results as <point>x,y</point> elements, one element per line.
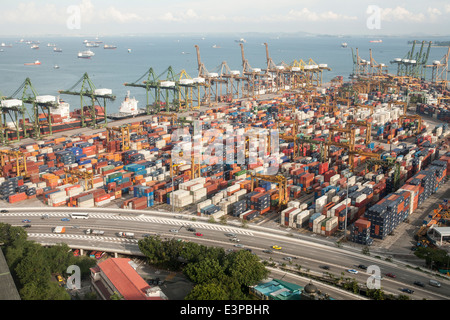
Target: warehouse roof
<point>443,231</point>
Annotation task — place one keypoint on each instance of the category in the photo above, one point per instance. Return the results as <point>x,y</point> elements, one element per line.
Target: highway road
<point>305,253</point>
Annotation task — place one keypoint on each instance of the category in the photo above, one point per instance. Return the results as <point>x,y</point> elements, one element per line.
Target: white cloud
<point>121,17</point>
<point>306,14</point>
<point>433,13</point>
<point>401,14</point>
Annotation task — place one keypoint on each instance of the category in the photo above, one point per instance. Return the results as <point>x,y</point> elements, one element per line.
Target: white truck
<point>95,232</point>
<point>127,235</point>
<point>59,230</point>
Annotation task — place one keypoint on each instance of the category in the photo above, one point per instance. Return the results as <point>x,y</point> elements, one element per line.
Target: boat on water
<point>129,50</point>
<point>35,47</point>
<point>4,45</point>
<point>107,46</point>
<point>216,46</point>
<point>376,41</point>
<point>62,119</point>
<point>36,63</point>
<point>128,109</point>
<point>51,45</point>
<point>241,40</point>
<point>57,50</point>
<point>92,45</point>
<point>55,66</point>
<point>86,54</point>
<point>344,44</point>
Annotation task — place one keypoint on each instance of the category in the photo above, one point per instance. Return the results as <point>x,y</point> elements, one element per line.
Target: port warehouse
<point>91,170</point>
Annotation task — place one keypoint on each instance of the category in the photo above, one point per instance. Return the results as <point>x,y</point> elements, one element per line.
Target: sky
<point>116,17</point>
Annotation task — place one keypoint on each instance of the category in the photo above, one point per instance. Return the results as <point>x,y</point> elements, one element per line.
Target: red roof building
<point>117,275</point>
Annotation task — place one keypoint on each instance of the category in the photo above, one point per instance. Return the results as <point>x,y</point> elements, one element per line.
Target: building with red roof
<point>117,275</point>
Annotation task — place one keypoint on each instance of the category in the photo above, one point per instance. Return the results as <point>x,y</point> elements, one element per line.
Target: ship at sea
<point>344,44</point>
<point>86,54</point>
<point>62,119</point>
<point>376,41</point>
<point>107,46</point>
<point>57,50</point>
<point>241,40</point>
<point>128,109</point>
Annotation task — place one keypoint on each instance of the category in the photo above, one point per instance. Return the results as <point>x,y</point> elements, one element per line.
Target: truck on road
<point>127,235</point>
<point>95,232</point>
<point>59,230</point>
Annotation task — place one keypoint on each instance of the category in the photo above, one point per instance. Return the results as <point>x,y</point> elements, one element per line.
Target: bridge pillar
<point>81,252</point>
<point>115,255</point>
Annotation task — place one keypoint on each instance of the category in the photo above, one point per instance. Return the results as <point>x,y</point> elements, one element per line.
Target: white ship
<point>86,54</point>
<point>344,44</point>
<point>128,108</point>
<point>92,45</point>
<point>241,40</point>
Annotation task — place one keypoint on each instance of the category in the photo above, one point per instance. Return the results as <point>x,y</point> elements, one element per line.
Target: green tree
<point>208,291</point>
<point>204,270</point>
<point>59,257</point>
<point>10,234</point>
<point>245,268</point>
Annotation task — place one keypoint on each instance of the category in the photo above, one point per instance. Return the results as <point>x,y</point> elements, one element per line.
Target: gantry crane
<point>211,79</point>
<point>88,177</point>
<point>233,85</point>
<point>173,117</point>
<point>387,163</point>
<point>123,133</point>
<point>283,194</point>
<point>362,123</point>
<point>411,117</point>
<point>20,160</point>
<point>364,106</point>
<point>439,70</point>
<point>254,78</point>
<point>88,90</point>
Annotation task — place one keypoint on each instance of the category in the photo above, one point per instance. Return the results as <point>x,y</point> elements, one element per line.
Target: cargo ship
<point>36,63</point>
<point>57,50</point>
<point>86,54</point>
<point>107,46</point>
<point>376,41</point>
<point>128,109</point>
<point>62,120</point>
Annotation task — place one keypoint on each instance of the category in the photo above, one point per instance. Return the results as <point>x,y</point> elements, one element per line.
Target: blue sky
<point>112,17</point>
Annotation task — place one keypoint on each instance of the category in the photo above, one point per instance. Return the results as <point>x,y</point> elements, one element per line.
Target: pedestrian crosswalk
<point>145,219</point>
<point>81,237</point>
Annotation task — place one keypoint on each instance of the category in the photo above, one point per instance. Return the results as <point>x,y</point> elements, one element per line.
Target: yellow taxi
<point>276,247</point>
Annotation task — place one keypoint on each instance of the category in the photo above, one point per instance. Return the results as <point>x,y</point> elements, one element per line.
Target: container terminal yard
<point>353,160</point>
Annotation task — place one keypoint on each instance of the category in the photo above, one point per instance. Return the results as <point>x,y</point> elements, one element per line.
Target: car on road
<point>363,267</point>
<point>65,219</point>
<point>198,234</point>
<point>352,271</point>
<point>418,283</point>
<point>76,227</point>
<point>434,283</point>
<point>390,275</point>
<point>287,258</point>
<point>174,230</point>
<point>191,229</point>
<point>26,221</point>
<point>4,211</point>
<point>27,226</point>
<point>324,267</point>
<point>407,290</point>
<point>45,216</point>
<point>276,247</point>
<point>230,234</point>
<point>238,245</point>
<point>235,239</point>
<point>146,235</point>
<point>267,251</point>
